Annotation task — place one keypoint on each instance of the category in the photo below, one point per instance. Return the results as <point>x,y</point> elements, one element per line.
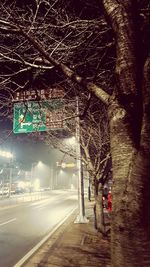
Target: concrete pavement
<point>73,245</point>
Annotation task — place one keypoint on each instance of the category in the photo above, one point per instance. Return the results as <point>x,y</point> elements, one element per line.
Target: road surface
<point>23,224</point>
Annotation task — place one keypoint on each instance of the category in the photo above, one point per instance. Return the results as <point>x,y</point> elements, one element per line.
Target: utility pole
<point>51,178</point>
<point>32,169</point>
<point>89,187</point>
<point>81,216</point>
<point>10,175</point>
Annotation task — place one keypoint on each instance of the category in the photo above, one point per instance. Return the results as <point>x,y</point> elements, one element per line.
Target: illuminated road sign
<point>38,95</point>
<point>38,116</point>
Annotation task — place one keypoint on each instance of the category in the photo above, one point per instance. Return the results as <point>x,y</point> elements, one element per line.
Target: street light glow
<point>72,140</point>
<point>6,154</point>
<point>36,184</point>
<point>40,164</point>
<point>21,184</point>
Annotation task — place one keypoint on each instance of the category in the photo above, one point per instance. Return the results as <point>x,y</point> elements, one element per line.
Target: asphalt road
<point>25,223</point>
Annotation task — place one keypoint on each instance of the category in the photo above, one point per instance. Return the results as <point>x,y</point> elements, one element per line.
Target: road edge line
<point>36,247</point>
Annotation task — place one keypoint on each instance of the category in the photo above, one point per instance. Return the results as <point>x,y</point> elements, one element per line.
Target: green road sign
<point>38,116</point>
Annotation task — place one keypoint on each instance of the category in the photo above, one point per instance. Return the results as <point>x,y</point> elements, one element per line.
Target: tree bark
<point>130,229</point>
<point>130,145</point>
<point>98,210</point>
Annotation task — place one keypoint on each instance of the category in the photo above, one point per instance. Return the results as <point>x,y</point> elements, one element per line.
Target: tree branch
<point>100,93</point>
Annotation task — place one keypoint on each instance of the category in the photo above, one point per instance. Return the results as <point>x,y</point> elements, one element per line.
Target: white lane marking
<point>40,207</point>
<point>7,207</point>
<point>38,202</point>
<point>45,202</point>
<point>12,220</point>
<point>34,249</point>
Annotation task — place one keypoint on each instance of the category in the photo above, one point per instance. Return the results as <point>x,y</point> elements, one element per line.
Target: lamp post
<point>32,170</point>
<point>9,156</point>
<point>2,183</point>
<point>10,176</point>
<point>81,218</point>
<point>38,164</point>
<point>89,187</point>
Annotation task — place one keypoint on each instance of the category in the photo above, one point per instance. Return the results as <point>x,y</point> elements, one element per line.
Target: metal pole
<point>10,177</point>
<point>50,178</point>
<point>89,187</point>
<point>81,216</point>
<point>32,172</point>
<point>3,181</point>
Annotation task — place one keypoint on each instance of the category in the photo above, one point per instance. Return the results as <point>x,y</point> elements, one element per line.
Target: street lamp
<point>6,154</point>
<point>32,169</point>
<point>72,140</point>
<point>39,163</point>
<point>81,218</point>
<point>9,156</point>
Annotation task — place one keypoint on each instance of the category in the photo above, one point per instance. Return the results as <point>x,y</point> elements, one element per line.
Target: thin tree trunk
<point>98,209</point>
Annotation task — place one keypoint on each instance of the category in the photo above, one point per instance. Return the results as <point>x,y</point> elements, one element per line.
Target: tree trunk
<point>98,211</point>
<point>130,231</point>
<point>130,143</point>
<point>100,223</point>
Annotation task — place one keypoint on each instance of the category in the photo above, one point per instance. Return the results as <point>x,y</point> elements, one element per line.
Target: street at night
<point>75,115</point>
<point>23,224</point>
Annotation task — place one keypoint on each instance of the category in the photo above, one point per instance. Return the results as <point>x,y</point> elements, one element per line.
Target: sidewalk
<point>74,245</point>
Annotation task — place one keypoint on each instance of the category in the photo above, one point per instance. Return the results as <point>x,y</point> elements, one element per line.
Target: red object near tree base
<point>109,202</point>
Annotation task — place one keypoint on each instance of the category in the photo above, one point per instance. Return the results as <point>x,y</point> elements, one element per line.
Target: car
<point>4,191</point>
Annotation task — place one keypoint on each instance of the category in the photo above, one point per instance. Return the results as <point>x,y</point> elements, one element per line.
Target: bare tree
<point>127,96</point>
